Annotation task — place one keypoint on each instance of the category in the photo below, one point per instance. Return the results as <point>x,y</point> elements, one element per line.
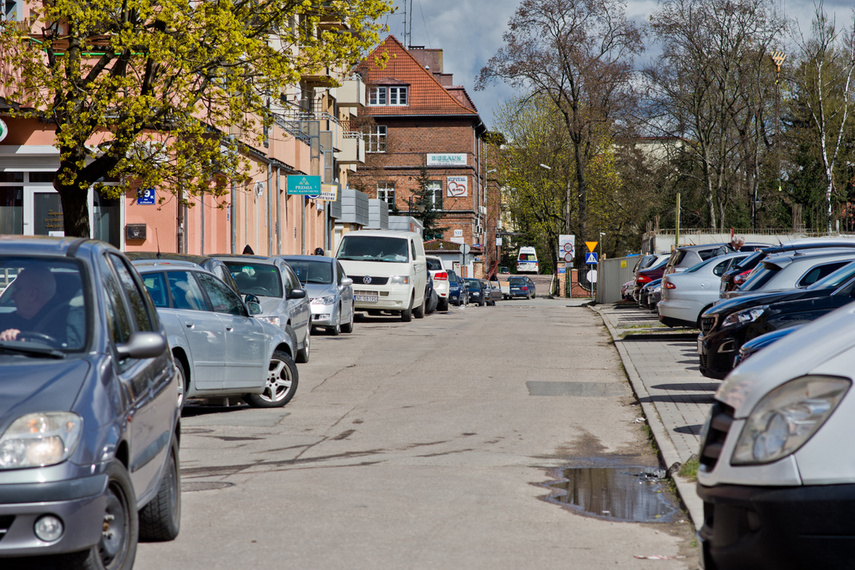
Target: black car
<point>730,324</point>
<point>476,292</point>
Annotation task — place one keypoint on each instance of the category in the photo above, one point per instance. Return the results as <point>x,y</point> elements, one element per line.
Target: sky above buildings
<point>470,32</point>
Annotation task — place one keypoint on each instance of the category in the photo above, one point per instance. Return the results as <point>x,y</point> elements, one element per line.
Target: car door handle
<point>189,324</point>
<point>230,329</point>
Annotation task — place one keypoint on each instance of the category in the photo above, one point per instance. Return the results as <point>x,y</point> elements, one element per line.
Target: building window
<point>398,96</point>
<point>434,188</point>
<point>395,96</point>
<point>375,138</point>
<point>386,192</point>
<point>377,96</point>
<point>12,10</point>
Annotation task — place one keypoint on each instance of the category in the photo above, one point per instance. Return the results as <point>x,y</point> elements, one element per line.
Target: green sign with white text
<point>302,184</point>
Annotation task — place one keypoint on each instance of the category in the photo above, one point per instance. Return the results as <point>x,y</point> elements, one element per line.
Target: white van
<point>388,269</point>
<point>777,468</point>
<point>527,260</point>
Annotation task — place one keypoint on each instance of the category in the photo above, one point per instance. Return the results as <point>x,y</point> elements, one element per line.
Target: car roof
<point>143,265</point>
<point>381,233</point>
<point>262,259</point>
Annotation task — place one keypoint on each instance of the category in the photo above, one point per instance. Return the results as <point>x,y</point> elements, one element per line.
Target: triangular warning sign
<point>592,245</point>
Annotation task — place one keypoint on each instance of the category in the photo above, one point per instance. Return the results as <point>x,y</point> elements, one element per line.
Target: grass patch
<point>689,469</point>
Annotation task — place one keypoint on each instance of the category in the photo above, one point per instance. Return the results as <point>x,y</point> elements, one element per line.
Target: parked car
<point>734,277</point>
<point>80,482</point>
<point>219,348</point>
<point>458,292</point>
<point>645,276</point>
<point>776,472</point>
<point>521,286</point>
<point>650,294</point>
<point>688,256</point>
<point>758,343</point>
<point>493,292</point>
<point>688,294</point>
<point>388,269</point>
<point>476,291</point>
<point>329,288</point>
<point>730,324</point>
<point>212,264</point>
<point>797,270</point>
<point>430,294</point>
<point>284,302</point>
<point>440,280</point>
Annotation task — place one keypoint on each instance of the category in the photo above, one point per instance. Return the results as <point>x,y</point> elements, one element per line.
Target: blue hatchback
<point>458,290</point>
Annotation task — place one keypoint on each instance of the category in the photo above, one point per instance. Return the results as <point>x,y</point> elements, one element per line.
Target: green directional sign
<point>302,184</point>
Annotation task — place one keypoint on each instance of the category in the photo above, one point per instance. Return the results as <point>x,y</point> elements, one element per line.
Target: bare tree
<point>712,86</point>
<point>579,54</point>
<point>823,81</point>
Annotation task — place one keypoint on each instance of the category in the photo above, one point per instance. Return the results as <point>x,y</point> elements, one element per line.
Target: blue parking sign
<point>591,258</point>
<point>145,197</point>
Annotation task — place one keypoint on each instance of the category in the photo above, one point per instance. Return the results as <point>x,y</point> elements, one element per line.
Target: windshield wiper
<point>32,350</point>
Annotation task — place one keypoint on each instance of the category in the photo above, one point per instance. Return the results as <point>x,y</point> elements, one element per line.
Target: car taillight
<point>523,288</point>
<point>441,276</point>
<point>668,285</point>
<point>643,279</point>
<point>741,277</point>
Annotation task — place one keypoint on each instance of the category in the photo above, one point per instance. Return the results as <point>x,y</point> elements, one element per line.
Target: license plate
<point>700,346</point>
<point>366,298</point>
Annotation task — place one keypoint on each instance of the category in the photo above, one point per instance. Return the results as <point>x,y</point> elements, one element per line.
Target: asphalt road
<point>427,444</point>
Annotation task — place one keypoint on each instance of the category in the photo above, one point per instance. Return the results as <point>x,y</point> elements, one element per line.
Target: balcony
<point>353,149</point>
<point>351,93</point>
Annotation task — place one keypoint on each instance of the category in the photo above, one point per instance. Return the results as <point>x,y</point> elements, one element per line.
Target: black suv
<point>730,324</point>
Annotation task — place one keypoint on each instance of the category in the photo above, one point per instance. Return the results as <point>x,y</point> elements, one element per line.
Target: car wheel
<point>117,547</point>
<point>407,316</point>
<point>160,520</point>
<point>336,330</point>
<point>303,353</point>
<point>348,326</point>
<point>419,312</point>
<point>183,382</point>
<point>282,379</point>
<point>442,305</point>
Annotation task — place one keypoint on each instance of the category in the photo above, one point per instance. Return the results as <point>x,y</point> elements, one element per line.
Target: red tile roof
<point>426,94</point>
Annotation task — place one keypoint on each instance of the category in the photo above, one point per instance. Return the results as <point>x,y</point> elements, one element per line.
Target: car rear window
<point>434,264</point>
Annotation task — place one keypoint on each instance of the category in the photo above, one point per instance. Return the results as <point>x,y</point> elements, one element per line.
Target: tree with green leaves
<point>168,92</point>
<point>425,209</point>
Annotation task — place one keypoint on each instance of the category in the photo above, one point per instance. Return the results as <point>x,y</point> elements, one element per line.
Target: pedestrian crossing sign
<point>591,258</point>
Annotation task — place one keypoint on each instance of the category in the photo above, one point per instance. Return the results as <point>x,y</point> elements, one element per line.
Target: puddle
<point>632,494</point>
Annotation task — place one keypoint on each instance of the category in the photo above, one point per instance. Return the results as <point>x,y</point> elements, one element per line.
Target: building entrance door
<point>42,212</point>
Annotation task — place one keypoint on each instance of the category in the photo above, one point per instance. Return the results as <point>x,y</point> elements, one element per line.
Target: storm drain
<point>630,494</point>
<point>578,389</point>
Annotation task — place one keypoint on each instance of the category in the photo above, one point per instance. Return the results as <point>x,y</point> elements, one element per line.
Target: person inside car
<point>39,311</point>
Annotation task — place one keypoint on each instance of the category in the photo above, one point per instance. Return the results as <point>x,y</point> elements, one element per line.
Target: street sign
<point>566,244</point>
<point>592,245</point>
<point>306,185</point>
<point>592,275</point>
<point>145,197</point>
<point>568,257</point>
<point>591,258</point>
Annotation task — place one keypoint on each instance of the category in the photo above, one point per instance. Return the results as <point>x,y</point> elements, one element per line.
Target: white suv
<point>388,270</point>
<point>440,281</point>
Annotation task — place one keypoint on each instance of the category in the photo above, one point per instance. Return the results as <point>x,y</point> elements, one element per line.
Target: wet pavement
<point>662,366</point>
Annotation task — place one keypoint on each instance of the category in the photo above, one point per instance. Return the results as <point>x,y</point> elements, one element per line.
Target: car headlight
<point>40,439</point>
<point>399,280</point>
<point>745,316</point>
<point>787,417</point>
<point>328,300</point>
<point>268,319</point>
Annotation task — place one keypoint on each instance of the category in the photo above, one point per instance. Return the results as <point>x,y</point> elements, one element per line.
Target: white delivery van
<point>777,468</point>
<point>389,271</point>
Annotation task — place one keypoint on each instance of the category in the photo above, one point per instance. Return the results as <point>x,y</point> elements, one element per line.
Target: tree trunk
<point>75,210</point>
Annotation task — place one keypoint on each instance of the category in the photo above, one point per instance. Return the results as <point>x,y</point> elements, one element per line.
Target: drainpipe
<point>278,210</point>
<point>202,214</point>
<point>233,219</point>
<point>269,210</point>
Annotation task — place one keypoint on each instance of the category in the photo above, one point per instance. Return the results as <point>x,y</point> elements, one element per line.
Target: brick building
<point>416,117</point>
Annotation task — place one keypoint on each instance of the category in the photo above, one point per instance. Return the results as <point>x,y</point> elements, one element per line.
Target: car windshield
<point>312,271</point>
<point>256,278</point>
<point>374,248</point>
<point>473,284</point>
<point>42,304</point>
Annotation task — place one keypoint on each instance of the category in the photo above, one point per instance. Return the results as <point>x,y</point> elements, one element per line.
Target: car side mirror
<point>143,345</point>
<point>253,304</point>
<point>346,282</point>
<point>297,294</point>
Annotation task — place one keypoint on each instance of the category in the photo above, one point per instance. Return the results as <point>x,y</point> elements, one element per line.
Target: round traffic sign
<point>568,246</point>
<point>568,257</point>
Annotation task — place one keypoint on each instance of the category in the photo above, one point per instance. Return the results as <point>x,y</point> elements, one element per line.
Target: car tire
<point>407,316</point>
<point>336,329</point>
<point>482,302</point>
<point>117,547</point>
<point>160,519</point>
<point>419,312</point>
<point>303,353</point>
<point>282,380</point>
<point>442,305</point>
<point>348,326</point>
<point>183,381</point>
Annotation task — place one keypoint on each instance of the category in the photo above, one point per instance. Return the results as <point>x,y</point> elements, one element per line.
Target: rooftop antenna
<point>410,30</point>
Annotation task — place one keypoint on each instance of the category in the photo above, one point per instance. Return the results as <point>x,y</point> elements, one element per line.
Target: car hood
<point>36,385</point>
<point>810,349</point>
<point>273,306</point>
<point>738,303</point>
<point>315,290</point>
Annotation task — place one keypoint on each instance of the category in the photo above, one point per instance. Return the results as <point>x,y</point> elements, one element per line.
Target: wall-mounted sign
<point>457,186</point>
<point>146,197</point>
<point>4,130</point>
<point>328,192</point>
<point>306,185</point>
<point>447,159</point>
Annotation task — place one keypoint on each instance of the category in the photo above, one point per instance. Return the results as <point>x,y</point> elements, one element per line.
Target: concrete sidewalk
<point>662,365</point>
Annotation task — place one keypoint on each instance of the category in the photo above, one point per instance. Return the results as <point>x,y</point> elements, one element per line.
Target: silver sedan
<point>328,287</point>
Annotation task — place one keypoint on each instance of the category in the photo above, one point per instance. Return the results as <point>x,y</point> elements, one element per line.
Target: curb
<point>685,488</point>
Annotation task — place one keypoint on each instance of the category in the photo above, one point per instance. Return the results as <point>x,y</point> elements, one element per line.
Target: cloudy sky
<point>470,32</point>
